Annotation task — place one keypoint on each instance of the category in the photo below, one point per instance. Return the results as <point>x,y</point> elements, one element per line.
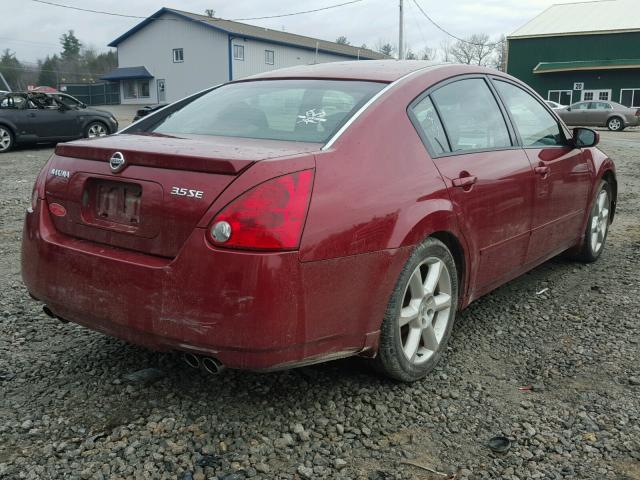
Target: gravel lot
<point>70,411</point>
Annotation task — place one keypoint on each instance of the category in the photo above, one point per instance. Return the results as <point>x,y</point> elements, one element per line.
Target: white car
<point>554,105</point>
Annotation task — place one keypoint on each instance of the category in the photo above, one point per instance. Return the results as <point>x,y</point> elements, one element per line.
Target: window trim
<point>633,95</point>
<point>240,49</point>
<point>176,50</point>
<point>273,57</point>
<point>513,137</point>
<point>567,134</point>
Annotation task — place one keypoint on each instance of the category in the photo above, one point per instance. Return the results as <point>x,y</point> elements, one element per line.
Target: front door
<point>490,181</point>
<point>563,178</point>
<point>162,95</point>
<point>589,95</point>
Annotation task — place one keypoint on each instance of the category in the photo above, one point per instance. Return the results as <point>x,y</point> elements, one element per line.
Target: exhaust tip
<point>212,365</point>
<point>192,360</point>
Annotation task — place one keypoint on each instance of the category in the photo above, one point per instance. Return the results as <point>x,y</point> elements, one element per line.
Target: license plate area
<point>111,204</point>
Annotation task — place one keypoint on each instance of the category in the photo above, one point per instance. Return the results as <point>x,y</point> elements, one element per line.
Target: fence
<point>95,93</point>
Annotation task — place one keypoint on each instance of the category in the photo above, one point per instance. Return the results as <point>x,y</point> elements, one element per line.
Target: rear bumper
<point>251,311</point>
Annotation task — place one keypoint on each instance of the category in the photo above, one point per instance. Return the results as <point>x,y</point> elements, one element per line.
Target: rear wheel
<point>6,139</point>
<point>96,129</point>
<point>597,225</point>
<point>420,314</point>
<point>615,124</point>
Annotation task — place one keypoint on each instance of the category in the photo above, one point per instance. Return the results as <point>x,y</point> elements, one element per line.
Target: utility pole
<point>401,34</point>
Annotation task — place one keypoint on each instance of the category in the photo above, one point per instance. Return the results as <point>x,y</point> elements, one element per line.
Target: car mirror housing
<point>585,137</point>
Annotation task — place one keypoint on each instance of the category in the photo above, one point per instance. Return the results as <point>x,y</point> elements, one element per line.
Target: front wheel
<point>6,139</point>
<point>96,129</point>
<point>597,226</point>
<point>615,124</point>
<point>420,314</point>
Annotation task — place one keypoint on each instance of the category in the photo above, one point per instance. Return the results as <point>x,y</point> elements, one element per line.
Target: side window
<point>471,116</point>
<point>580,106</point>
<point>537,127</point>
<point>430,126</point>
<point>599,106</point>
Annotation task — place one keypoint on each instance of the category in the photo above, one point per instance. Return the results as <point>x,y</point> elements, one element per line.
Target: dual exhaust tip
<point>208,364</point>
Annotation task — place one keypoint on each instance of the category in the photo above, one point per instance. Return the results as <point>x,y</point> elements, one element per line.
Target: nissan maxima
<point>314,213</point>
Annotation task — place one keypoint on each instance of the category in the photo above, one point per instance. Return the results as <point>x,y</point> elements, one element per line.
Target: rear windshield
<point>295,110</point>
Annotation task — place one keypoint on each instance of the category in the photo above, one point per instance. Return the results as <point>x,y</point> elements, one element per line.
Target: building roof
<point>550,67</point>
<point>596,17</point>
<point>260,33</point>
<point>127,73</point>
<point>372,70</point>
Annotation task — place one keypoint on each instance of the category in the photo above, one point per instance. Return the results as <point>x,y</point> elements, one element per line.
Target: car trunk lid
<point>154,201</point>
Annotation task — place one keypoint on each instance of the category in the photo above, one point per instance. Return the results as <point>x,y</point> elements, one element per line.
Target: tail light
<point>38,186</point>
<point>270,216</point>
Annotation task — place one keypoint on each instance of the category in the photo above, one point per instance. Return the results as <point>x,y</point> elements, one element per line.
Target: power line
<point>435,24</point>
<point>299,13</point>
<point>114,14</point>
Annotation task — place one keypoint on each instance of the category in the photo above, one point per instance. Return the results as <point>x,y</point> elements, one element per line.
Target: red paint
<point>151,274</point>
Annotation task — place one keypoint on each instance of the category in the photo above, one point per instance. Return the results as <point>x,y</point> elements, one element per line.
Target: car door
<point>563,176</point>
<point>14,108</point>
<point>576,114</point>
<point>489,179</point>
<point>599,113</point>
<point>54,123</point>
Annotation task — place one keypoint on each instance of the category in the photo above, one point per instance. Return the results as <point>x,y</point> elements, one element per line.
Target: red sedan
<point>314,213</point>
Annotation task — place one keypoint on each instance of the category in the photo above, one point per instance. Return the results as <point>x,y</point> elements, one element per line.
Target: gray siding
<point>284,56</point>
<point>205,57</point>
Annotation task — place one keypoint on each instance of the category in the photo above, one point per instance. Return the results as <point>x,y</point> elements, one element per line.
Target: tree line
<point>75,63</point>
<point>476,49</point>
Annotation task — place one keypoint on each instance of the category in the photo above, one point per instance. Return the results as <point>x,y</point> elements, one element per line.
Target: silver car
<point>614,116</point>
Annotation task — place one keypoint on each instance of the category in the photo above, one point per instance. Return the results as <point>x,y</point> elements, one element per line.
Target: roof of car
<point>373,70</point>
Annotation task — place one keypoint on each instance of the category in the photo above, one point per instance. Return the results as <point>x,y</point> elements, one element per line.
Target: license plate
<point>117,202</point>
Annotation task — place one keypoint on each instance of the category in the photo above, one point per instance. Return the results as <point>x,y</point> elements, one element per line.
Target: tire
<point>7,140</point>
<point>597,229</point>
<point>96,129</point>
<point>431,269</point>
<point>615,124</point>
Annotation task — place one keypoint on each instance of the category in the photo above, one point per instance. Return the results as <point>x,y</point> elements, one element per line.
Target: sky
<point>32,30</point>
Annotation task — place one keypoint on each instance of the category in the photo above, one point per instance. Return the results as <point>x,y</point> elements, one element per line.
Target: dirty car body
<point>327,183</point>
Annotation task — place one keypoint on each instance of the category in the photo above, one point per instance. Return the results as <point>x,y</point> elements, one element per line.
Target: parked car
<point>249,228</point>
<point>28,118</point>
<point>554,105</point>
<point>146,110</point>
<point>614,116</point>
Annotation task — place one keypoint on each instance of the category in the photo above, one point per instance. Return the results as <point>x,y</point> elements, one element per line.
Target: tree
<point>48,71</point>
<point>385,48</point>
<point>501,54</point>
<point>445,48</point>
<point>409,55</point>
<point>342,40</point>
<point>476,50</point>
<point>10,68</point>
<point>70,46</point>
<point>210,12</point>
<point>427,54</point>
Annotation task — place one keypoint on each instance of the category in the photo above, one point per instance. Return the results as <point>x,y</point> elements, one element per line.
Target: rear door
<point>489,178</point>
<point>562,174</point>
<point>599,113</point>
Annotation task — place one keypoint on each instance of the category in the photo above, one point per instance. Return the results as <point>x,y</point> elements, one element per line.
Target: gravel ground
<point>70,408</point>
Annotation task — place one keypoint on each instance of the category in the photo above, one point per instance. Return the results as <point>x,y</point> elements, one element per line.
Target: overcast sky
<point>32,29</point>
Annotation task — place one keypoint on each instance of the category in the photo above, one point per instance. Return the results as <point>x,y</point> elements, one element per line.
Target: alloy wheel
<point>5,139</point>
<point>615,124</point>
<point>425,311</point>
<point>96,130</point>
<point>599,221</point>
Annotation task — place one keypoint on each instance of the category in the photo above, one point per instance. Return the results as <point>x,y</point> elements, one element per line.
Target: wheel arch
<point>610,177</point>
<point>95,120</point>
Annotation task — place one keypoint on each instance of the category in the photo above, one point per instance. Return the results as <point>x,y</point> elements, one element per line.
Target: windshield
<point>296,110</point>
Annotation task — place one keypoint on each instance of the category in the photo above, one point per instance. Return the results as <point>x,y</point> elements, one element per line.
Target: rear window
<point>294,110</point>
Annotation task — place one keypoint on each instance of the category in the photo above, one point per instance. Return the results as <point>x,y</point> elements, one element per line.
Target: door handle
<point>464,182</point>
<point>542,170</point>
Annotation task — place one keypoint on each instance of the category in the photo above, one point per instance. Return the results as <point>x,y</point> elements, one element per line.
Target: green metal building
<point>580,51</point>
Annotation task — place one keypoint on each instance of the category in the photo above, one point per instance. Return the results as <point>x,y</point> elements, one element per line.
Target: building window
<point>603,96</point>
<point>630,97</point>
<point>238,52</point>
<point>563,97</point>
<point>135,88</point>
<point>587,96</point>
<point>268,57</point>
<point>178,55</point>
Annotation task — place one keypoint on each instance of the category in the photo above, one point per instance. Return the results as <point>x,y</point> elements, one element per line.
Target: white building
<point>173,54</point>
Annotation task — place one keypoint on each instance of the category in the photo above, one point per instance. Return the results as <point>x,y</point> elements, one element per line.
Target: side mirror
<point>83,105</point>
<point>585,137</point>
<point>568,109</point>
